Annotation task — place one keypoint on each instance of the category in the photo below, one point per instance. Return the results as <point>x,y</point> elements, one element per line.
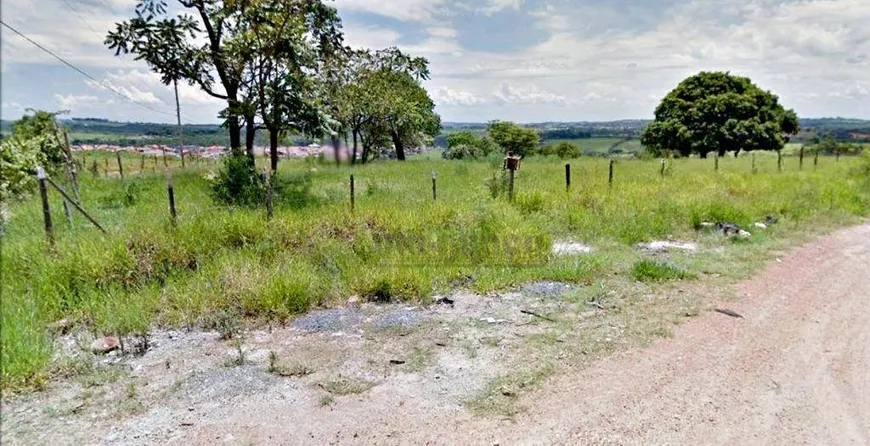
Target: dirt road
<point>796,370</point>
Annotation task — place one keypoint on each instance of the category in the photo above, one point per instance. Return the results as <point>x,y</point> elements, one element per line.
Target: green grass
<point>652,271</point>
<point>602,145</point>
<point>220,266</point>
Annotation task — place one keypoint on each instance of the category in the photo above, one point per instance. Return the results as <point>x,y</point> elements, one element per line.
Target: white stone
<point>570,248</point>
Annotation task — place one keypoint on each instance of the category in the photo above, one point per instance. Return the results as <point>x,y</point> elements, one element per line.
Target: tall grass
<point>398,244</point>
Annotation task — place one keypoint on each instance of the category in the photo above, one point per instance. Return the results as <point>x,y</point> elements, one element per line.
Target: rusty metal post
<point>352,192</point>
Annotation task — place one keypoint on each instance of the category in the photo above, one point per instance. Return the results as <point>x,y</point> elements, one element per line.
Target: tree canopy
<point>514,138</point>
<point>717,112</point>
<point>216,45</point>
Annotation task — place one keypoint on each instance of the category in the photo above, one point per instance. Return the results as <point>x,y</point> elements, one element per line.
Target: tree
<point>404,109</point>
<point>287,42</point>
<point>564,150</point>
<point>514,138</point>
<point>716,112</point>
<point>377,96</point>
<point>207,39</point>
<point>36,141</point>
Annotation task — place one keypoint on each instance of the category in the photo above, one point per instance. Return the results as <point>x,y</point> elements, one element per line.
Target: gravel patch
<point>400,318</point>
<point>546,289</point>
<point>330,321</point>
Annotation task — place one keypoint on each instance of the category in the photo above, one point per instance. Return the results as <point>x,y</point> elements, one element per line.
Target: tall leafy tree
<point>716,112</point>
<point>514,138</point>
<point>287,42</point>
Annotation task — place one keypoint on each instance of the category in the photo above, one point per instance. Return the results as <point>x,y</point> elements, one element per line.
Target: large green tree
<point>514,138</point>
<point>220,47</point>
<point>717,112</point>
<point>287,42</point>
<point>377,96</point>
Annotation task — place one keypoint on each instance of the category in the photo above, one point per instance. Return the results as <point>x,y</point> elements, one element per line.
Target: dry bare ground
<point>794,370</point>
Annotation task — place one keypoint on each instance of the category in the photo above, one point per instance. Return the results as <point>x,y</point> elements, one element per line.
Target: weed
<point>238,359</point>
<point>326,400</point>
<point>346,386</point>
<point>500,395</point>
<point>277,368</point>
<point>653,271</point>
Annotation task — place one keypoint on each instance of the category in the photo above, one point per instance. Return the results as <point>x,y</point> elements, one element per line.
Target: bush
<point>462,152</point>
<point>238,183</point>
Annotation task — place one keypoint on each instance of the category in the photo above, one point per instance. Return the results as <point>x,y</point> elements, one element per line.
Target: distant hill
<point>103,131</point>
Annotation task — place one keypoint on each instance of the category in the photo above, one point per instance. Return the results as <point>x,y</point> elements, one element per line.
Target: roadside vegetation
<point>224,263</point>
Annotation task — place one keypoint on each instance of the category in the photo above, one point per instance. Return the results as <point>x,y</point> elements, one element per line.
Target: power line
<point>76,12</point>
<point>83,73</point>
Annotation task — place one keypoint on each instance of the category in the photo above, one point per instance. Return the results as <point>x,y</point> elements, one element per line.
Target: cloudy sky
<point>522,60</point>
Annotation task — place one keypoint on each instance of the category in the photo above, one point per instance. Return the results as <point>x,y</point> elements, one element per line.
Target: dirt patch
<point>792,370</point>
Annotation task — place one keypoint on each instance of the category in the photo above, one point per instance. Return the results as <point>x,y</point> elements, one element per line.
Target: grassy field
<point>602,145</point>
<point>219,266</point>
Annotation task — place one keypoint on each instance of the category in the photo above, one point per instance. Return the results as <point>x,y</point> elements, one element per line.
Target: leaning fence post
<point>779,160</point>
<point>171,190</point>
<point>716,162</point>
<point>663,168</point>
<point>610,176</point>
<point>46,208</point>
<point>120,164</point>
<point>352,197</point>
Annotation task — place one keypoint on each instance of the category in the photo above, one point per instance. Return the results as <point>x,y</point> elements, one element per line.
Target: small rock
<point>353,301</point>
<point>707,224</point>
<point>760,225</point>
<point>445,301</point>
<point>570,248</point>
<point>744,234</point>
<point>105,345</point>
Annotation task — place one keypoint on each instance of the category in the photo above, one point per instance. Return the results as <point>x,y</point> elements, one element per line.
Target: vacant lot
<point>223,269</point>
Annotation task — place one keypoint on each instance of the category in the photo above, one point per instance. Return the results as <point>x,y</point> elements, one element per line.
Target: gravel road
<point>796,370</point>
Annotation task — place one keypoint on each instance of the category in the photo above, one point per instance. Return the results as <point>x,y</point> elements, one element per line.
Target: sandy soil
<point>794,370</point>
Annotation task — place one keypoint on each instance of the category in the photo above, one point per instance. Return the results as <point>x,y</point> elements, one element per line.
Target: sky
<point>519,60</point>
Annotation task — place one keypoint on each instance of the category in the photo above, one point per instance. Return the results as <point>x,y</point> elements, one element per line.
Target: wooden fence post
<point>268,195</point>
<point>610,177</point>
<point>434,187</point>
<point>106,167</point>
<point>816,160</point>
<point>46,208</point>
<point>171,190</point>
<point>120,164</point>
<point>802,158</point>
<point>716,162</point>
<point>75,204</point>
<point>754,169</point>
<point>567,177</point>
<point>142,164</point>
<point>779,160</point>
<point>663,168</point>
<point>352,192</point>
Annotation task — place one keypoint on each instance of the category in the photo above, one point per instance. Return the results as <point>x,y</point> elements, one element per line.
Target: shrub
<point>461,152</point>
<point>238,183</point>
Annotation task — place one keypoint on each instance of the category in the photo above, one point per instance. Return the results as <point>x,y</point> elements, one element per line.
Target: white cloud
<point>494,6</point>
<point>405,10</point>
<point>72,101</point>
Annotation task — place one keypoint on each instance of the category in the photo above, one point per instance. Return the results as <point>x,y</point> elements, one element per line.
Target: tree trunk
<point>336,148</point>
<point>250,133</point>
<point>273,148</point>
<point>180,128</point>
<point>400,147</point>
<point>235,135</point>
<point>355,145</point>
